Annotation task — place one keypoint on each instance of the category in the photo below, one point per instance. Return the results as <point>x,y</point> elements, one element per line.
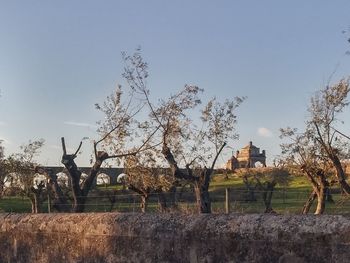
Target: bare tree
<point>194,143</point>
<point>120,136</point>
<point>81,191</point>
<point>303,152</point>
<point>325,108</point>
<point>321,143</point>
<point>21,168</point>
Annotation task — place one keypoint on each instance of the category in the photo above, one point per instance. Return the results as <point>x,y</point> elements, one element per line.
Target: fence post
<point>227,200</point>
<point>48,203</point>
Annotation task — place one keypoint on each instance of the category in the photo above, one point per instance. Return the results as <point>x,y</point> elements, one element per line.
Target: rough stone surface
<point>113,237</point>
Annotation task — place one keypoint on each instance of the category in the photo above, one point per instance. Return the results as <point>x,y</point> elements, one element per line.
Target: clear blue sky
<point>58,58</point>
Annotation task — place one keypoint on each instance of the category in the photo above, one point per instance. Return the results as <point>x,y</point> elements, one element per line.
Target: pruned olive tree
<point>325,109</point>
<point>190,138</point>
<point>302,152</point>
<point>117,132</point>
<point>321,143</point>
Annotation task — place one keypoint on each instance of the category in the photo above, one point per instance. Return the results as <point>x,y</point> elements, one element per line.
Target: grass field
<point>286,200</point>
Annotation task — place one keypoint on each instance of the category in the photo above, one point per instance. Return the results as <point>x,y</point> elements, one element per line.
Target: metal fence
<point>284,201</point>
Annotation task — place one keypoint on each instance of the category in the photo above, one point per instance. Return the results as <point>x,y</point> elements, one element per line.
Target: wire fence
<point>223,200</point>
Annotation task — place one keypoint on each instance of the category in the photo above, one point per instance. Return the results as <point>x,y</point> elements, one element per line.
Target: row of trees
<point>144,134</point>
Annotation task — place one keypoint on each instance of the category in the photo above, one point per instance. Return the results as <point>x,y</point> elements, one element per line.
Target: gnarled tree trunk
<point>36,197</point>
<point>80,193</point>
<point>60,202</point>
<point>144,203</point>
<point>201,182</point>
<point>340,173</point>
<point>201,188</point>
<point>309,203</point>
<point>320,187</point>
<point>250,189</point>
<point>267,196</point>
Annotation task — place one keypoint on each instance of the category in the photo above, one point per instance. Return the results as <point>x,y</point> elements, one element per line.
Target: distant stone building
<point>247,157</point>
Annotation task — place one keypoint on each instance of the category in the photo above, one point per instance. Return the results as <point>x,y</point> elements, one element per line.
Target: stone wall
<point>112,237</point>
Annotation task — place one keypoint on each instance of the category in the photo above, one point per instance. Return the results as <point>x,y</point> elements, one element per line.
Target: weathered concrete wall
<point>111,237</point>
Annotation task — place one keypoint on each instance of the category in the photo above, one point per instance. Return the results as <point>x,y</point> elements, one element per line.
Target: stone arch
<point>62,179</point>
<point>39,178</point>
<point>259,164</point>
<point>103,179</point>
<point>13,180</point>
<point>121,178</point>
<point>111,172</point>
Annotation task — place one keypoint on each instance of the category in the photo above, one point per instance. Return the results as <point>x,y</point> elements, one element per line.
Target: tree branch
<point>76,152</point>
<point>63,146</point>
<point>217,155</point>
<point>342,134</point>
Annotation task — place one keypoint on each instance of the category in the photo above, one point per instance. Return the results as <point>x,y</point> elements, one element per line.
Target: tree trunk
<point>75,175</point>
<point>60,202</point>
<point>340,174</point>
<point>112,197</point>
<point>143,204</point>
<point>201,183</point>
<point>162,202</point>
<point>78,197</point>
<point>267,197</point>
<point>35,196</point>
<point>202,197</point>
<point>321,194</point>
<point>319,185</point>
<point>172,197</point>
<point>32,202</point>
<point>321,203</point>
<point>79,204</point>
<point>88,183</point>
<point>250,189</point>
<point>37,202</point>
<point>167,200</point>
<point>308,203</point>
<point>329,197</point>
<point>80,193</point>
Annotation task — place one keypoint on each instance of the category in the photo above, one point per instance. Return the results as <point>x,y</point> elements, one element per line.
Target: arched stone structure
<point>111,172</point>
<point>247,157</point>
<point>103,179</point>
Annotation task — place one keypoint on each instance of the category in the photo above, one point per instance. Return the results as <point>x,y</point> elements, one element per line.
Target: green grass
<point>287,200</point>
<point>15,204</point>
<point>220,181</point>
<point>110,187</point>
